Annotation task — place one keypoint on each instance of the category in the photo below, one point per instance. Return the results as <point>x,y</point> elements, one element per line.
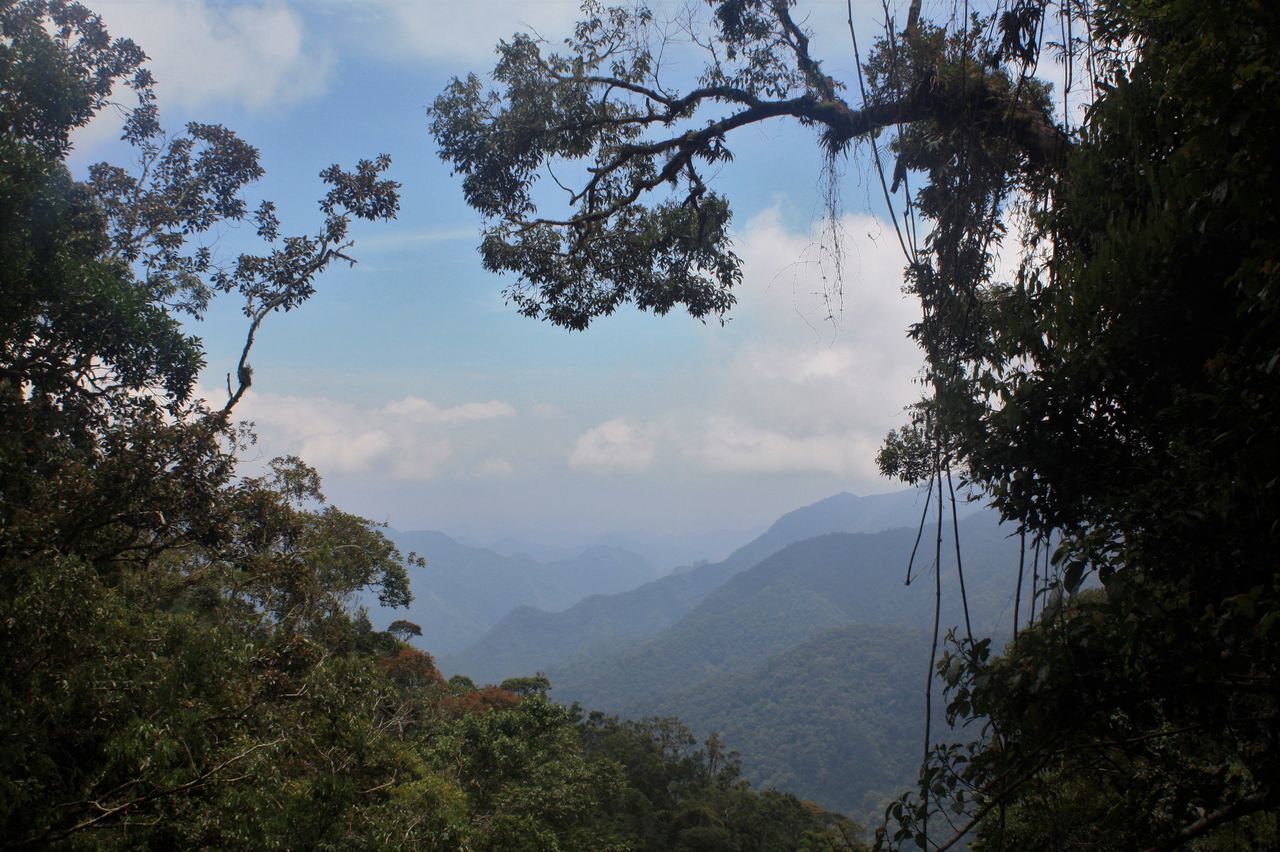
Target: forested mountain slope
<point>837,719</point>
<point>810,586</point>
<point>529,639</point>
<point>812,663</point>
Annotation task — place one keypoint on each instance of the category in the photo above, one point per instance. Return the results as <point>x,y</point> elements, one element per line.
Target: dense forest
<point>1111,392</point>
<point>183,666</point>
<point>186,659</point>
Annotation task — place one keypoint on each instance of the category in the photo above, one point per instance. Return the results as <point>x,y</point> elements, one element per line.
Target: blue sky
<point>427,402</point>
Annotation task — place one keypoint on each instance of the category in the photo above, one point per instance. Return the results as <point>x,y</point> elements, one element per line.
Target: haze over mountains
<point>531,638</point>
<point>469,590</point>
<point>466,589</point>
<point>789,597</point>
<point>811,663</point>
<point>803,647</point>
<point>661,551</point>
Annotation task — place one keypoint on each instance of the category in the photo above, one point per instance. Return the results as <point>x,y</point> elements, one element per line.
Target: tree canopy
<point>1113,396</point>
<point>643,226</point>
<point>185,661</point>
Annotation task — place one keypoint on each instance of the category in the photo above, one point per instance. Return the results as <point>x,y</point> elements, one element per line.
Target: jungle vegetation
<point>1113,396</point>
<point>184,664</point>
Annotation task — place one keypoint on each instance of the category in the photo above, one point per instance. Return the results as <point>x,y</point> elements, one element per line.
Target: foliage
<point>185,665</point>
<point>182,668</point>
<point>1137,340</point>
<point>681,797</point>
<point>602,109</point>
<point>1114,398</point>
<point>831,719</point>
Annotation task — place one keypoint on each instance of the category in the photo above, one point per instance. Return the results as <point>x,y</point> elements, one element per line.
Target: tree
<point>527,686</point>
<point>601,106</point>
<point>1113,398</point>
<point>680,796</point>
<point>178,645</point>
<point>1115,403</point>
<point>185,666</point>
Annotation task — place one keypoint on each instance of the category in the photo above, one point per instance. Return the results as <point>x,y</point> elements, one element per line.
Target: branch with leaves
<point>643,224</point>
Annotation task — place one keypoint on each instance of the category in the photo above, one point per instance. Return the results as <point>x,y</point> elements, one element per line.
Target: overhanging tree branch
<point>605,111</point>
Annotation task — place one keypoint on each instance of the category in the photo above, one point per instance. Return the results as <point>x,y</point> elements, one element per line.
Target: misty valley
<point>802,649</point>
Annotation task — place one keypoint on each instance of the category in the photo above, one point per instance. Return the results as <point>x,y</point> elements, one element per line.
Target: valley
<point>804,649</point>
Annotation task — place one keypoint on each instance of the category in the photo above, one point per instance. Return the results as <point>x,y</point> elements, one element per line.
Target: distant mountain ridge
<point>530,639</point>
<point>661,550</point>
<point>812,663</point>
<point>466,589</point>
<point>804,649</point>
<point>813,585</point>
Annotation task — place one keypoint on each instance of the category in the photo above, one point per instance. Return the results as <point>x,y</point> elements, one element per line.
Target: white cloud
<point>614,445</point>
<point>789,389</point>
<point>782,390</point>
<point>407,439</point>
<point>466,33</point>
<point>731,446</point>
<point>495,467</point>
<point>254,54</point>
<point>818,375</point>
<point>800,365</point>
<point>346,453</point>
<point>417,410</point>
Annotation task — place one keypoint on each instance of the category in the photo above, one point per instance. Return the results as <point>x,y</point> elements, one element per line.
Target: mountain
<point>467,589</point>
<point>530,639</point>
<point>601,569</point>
<point>837,720</point>
<point>842,512</point>
<point>808,656</point>
<point>514,545</point>
<point>810,586</point>
<point>812,663</point>
<point>661,550</point>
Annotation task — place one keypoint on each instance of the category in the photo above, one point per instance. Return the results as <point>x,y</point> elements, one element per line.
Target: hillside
<point>810,586</point>
<point>836,720</point>
<point>530,639</point>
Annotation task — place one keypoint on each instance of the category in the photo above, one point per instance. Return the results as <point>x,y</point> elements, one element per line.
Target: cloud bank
<point>614,445</point>
<point>406,439</point>
<point>256,55</point>
<point>807,379</point>
<point>792,397</point>
<point>467,33</point>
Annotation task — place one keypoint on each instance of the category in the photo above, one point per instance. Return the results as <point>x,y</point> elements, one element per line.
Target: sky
<point>425,401</point>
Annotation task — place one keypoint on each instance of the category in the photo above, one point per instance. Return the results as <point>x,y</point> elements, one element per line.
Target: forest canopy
<point>1113,396</point>
<point>185,661</point>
